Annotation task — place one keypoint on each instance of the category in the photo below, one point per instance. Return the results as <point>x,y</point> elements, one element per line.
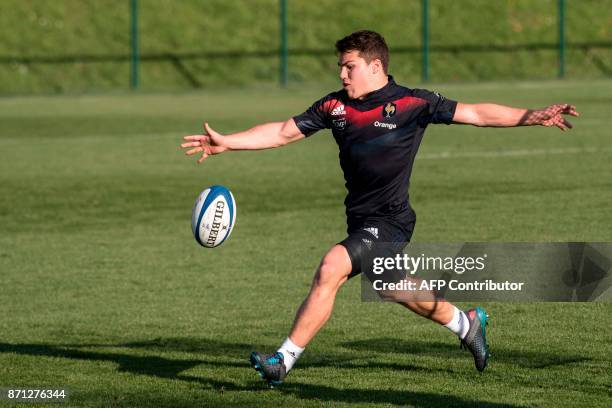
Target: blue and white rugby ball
<point>213,216</point>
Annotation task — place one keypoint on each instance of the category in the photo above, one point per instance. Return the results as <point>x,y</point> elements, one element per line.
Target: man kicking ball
<point>378,126</point>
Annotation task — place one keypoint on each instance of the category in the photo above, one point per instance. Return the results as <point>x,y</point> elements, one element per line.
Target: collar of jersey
<point>374,95</point>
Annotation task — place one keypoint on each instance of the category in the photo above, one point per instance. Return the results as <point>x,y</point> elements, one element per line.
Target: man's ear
<point>376,66</point>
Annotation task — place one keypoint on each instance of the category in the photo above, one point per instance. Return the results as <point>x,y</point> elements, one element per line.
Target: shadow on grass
<point>523,358</point>
<point>443,350</point>
<point>144,365</point>
<point>215,348</point>
<point>389,396</point>
<point>222,354</point>
<point>172,368</point>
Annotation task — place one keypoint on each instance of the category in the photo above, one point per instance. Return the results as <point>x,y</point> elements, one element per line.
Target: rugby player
<point>378,126</point>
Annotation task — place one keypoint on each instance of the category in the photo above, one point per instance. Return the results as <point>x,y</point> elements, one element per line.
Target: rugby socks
<point>291,353</point>
<point>459,324</point>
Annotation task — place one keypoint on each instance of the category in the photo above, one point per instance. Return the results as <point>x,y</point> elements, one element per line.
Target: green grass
<point>105,291</point>
<point>53,46</point>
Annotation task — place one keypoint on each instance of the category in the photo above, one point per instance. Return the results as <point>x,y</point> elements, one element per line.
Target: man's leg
<point>439,311</point>
<point>317,307</point>
<point>469,326</point>
<point>310,317</point>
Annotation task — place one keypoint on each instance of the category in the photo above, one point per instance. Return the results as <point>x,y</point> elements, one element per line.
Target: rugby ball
<point>213,216</point>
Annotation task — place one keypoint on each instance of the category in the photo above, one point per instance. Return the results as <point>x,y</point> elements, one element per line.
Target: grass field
<point>105,292</point>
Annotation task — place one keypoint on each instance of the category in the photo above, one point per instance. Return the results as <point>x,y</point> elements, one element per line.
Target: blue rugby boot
<point>271,367</point>
<point>476,337</point>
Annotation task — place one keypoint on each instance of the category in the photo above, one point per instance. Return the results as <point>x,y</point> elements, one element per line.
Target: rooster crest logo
<point>388,110</point>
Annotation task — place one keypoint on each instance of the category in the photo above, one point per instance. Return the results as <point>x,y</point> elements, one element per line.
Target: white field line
<point>510,153</point>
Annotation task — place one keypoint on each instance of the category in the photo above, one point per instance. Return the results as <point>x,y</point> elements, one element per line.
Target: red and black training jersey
<point>378,137</point>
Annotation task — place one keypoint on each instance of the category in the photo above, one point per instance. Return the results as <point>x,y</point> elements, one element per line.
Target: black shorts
<point>375,238</point>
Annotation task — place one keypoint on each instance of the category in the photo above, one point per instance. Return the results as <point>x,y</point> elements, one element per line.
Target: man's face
<point>356,74</point>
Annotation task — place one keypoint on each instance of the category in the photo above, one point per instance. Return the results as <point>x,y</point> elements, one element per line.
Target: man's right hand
<point>209,143</point>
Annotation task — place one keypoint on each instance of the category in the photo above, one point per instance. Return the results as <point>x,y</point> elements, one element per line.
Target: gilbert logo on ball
<point>213,216</point>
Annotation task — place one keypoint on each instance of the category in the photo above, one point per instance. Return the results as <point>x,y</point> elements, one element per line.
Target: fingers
<point>204,156</point>
<point>556,117</point>
<point>202,143</point>
<point>570,110</point>
<point>194,151</point>
<point>209,130</point>
<point>557,121</point>
<point>204,150</point>
<point>565,109</point>
<point>195,141</point>
<point>216,138</point>
<point>560,122</point>
<point>194,137</point>
<point>191,144</point>
<point>567,125</point>
<point>555,109</point>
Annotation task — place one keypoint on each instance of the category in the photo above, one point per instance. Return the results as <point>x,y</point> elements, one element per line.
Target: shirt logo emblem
<point>389,110</point>
<point>339,123</point>
<point>389,126</point>
<point>372,230</point>
<point>338,110</point>
<point>367,242</point>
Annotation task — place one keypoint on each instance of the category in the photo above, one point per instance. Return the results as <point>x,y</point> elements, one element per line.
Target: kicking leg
<point>310,318</point>
<point>317,307</point>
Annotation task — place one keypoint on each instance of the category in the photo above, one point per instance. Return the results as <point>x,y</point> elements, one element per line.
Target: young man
<point>378,126</point>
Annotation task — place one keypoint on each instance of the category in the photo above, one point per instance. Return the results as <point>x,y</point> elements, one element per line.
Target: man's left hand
<point>550,116</point>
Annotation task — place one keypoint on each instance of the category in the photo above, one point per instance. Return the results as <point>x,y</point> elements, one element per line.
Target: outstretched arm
<point>488,114</point>
<point>265,136</point>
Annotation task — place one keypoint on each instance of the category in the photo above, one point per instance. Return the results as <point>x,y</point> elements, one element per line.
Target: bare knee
<point>333,270</point>
<point>327,276</point>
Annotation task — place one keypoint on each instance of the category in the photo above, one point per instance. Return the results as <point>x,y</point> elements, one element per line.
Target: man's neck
<point>379,84</point>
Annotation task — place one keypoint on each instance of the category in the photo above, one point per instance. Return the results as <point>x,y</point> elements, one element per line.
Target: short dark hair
<point>370,45</point>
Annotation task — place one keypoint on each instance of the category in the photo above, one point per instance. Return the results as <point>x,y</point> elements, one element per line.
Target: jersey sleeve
<point>439,109</point>
<point>314,118</point>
